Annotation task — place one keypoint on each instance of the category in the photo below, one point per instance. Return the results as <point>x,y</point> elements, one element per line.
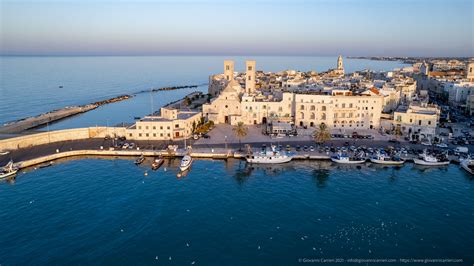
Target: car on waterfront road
<point>125,146</point>
<point>311,148</point>
<point>396,141</point>
<point>298,148</point>
<point>441,145</point>
<point>131,145</point>
<point>288,147</point>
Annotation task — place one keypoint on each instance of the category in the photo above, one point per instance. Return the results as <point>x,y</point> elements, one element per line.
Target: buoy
<point>146,173</point>
<point>165,169</point>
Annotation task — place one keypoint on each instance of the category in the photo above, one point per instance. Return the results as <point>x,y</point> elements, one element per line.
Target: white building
<point>417,121</point>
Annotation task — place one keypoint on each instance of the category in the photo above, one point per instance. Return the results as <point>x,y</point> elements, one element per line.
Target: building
<point>226,107</point>
<point>171,124</point>
<point>458,92</point>
<point>470,105</point>
<point>417,121</point>
<point>470,71</point>
<point>229,70</point>
<point>340,110</point>
<point>250,76</point>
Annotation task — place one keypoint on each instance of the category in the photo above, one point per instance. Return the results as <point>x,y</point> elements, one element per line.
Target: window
<point>313,107</point>
<point>350,105</point>
<point>161,127</point>
<point>154,134</point>
<point>302,107</point>
<point>168,134</point>
<point>250,77</point>
<point>139,134</point>
<point>176,126</point>
<point>168,127</point>
<point>161,134</point>
<point>419,122</point>
<point>343,105</point>
<point>146,127</point>
<point>312,116</point>
<point>429,122</point>
<point>323,108</point>
<point>147,135</point>
<point>154,127</point>
<point>250,68</point>
<point>227,67</point>
<point>130,135</point>
<point>139,127</point>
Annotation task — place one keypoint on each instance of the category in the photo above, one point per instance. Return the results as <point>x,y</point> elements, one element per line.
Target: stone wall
<point>60,135</point>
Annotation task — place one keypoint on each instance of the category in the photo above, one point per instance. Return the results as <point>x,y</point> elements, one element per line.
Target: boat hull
<point>5,175</point>
<point>387,162</point>
<point>422,162</point>
<point>184,167</point>
<point>347,161</point>
<point>466,167</point>
<point>157,164</point>
<point>269,160</point>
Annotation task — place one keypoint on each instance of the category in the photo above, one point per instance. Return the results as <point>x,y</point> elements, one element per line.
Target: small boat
<point>185,163</point>
<point>269,157</point>
<point>468,165</point>
<point>60,86</point>
<point>8,170</point>
<point>346,159</point>
<point>140,160</point>
<point>383,158</point>
<point>157,162</point>
<point>430,160</point>
<point>4,153</point>
<point>46,165</point>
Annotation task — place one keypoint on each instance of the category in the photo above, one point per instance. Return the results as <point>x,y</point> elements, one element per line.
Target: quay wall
<point>119,153</point>
<point>59,135</point>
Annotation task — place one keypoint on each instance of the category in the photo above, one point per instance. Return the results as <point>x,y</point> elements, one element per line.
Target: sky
<point>244,27</point>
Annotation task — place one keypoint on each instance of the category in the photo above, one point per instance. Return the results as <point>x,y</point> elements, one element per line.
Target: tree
<point>187,101</point>
<point>194,127</point>
<point>398,132</point>
<point>240,131</point>
<point>321,134</point>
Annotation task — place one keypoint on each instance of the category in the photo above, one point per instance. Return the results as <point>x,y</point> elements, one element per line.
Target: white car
<point>442,145</point>
<point>426,143</point>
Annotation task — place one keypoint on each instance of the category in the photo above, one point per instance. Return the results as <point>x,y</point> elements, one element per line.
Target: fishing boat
<point>268,157</point>
<point>383,158</point>
<point>346,159</point>
<point>8,170</point>
<point>431,160</point>
<point>468,165</point>
<point>157,162</point>
<point>140,160</point>
<point>185,163</point>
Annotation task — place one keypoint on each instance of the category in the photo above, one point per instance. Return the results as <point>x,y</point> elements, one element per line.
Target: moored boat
<point>431,160</point>
<point>157,162</point>
<point>8,170</point>
<point>468,165</point>
<point>269,157</point>
<point>382,158</point>
<point>346,159</point>
<point>185,163</point>
<point>140,160</point>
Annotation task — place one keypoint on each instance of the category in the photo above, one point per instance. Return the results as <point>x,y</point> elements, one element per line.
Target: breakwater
<point>23,124</point>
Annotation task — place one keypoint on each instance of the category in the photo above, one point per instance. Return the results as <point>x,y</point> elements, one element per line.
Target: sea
<point>104,211</point>
<point>93,211</point>
<point>33,85</point>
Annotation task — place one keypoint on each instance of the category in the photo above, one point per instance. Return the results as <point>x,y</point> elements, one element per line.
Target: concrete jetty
<point>43,119</point>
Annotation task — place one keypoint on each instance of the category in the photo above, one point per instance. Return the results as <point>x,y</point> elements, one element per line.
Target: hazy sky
<point>292,27</point>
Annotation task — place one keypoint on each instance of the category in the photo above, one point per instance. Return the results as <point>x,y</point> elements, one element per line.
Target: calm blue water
<point>95,211</point>
<point>30,85</point>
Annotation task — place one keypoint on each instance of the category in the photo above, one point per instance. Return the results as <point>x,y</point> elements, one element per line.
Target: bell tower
<point>340,65</point>
<point>229,70</point>
<point>250,76</point>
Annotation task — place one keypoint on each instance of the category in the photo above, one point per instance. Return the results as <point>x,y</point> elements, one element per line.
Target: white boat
<point>468,165</point>
<point>381,158</point>
<point>8,170</point>
<point>429,160</point>
<point>4,152</point>
<point>346,159</point>
<point>269,157</point>
<point>185,163</point>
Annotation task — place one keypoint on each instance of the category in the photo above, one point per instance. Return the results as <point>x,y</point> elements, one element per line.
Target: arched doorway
<point>264,120</point>
<point>311,124</point>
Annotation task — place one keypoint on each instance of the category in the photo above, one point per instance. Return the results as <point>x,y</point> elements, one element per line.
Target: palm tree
<point>240,131</point>
<point>321,134</point>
